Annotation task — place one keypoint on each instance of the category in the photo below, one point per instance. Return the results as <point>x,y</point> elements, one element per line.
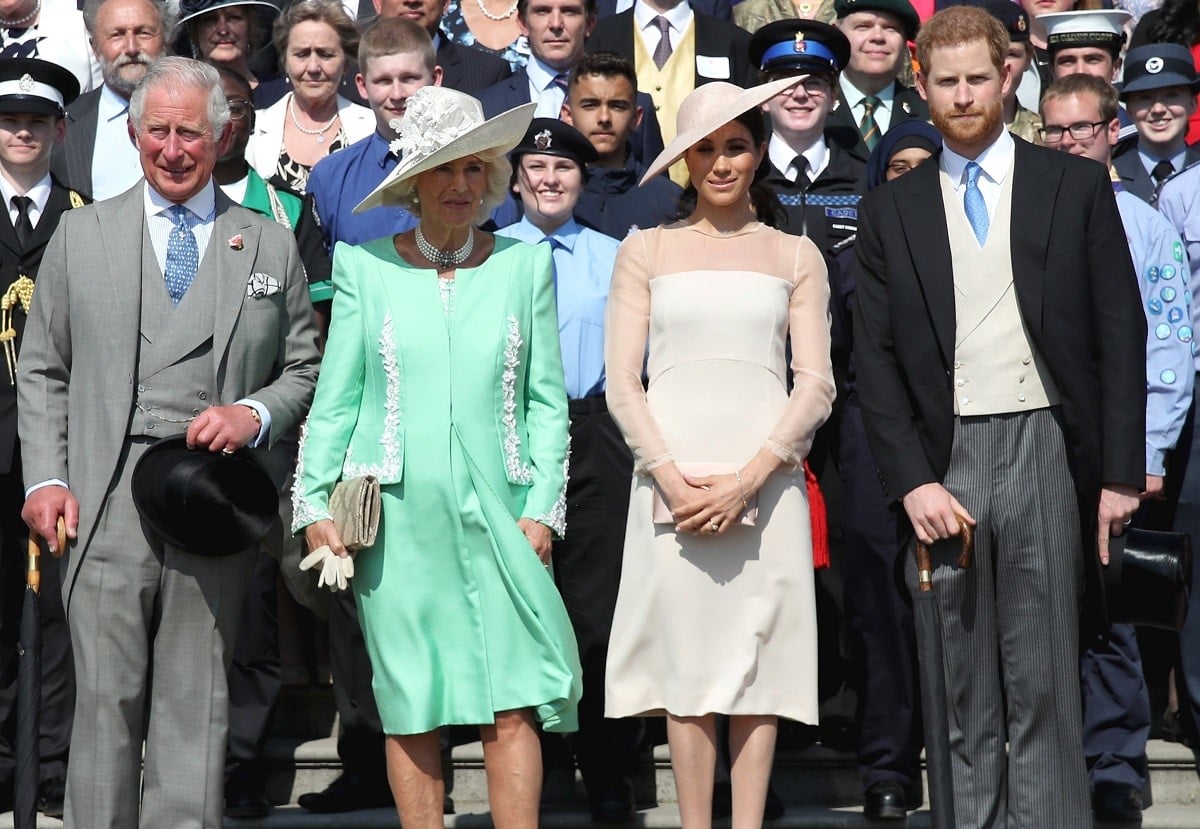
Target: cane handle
<point>33,570</point>
<point>925,560</point>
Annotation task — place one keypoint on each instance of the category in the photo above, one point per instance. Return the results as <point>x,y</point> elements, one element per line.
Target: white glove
<point>336,571</point>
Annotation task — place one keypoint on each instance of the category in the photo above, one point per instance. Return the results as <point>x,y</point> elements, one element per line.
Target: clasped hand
<point>700,503</point>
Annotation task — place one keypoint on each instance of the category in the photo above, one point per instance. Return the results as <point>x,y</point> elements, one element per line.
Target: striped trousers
<point>1010,626</point>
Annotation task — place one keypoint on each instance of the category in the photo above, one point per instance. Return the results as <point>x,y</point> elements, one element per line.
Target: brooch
<point>236,243</point>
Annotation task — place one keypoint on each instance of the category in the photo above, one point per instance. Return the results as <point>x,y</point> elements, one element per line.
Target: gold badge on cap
<point>1021,24</point>
<point>26,83</point>
<point>799,46</point>
<point>542,140</point>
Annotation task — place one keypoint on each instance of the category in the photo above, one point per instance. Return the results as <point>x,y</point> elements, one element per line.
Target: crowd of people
<point>668,331</point>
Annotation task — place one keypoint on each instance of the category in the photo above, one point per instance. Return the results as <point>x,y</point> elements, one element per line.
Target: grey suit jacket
<point>79,360</point>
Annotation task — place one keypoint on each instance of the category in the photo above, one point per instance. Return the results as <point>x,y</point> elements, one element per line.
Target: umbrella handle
<point>925,560</point>
<point>33,570</point>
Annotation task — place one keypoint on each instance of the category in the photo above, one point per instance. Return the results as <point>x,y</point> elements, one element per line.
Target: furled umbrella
<point>931,670</point>
<point>29,687</point>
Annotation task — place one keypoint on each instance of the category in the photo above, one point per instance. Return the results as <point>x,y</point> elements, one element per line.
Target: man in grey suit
<point>165,310</point>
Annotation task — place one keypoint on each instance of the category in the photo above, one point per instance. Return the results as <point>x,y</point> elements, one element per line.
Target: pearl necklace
<point>497,17</point>
<point>23,21</point>
<point>445,258</point>
<point>320,132</point>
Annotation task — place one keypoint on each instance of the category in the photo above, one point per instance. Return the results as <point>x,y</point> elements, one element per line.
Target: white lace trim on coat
<point>389,468</point>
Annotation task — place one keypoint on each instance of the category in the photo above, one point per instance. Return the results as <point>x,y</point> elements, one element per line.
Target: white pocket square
<point>261,285</point>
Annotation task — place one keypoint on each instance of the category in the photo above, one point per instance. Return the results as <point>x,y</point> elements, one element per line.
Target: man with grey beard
<point>97,158</point>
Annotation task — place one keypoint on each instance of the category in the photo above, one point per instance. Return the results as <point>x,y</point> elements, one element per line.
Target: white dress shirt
<point>115,163</point>
<point>854,97</point>
<point>679,17</point>
<point>783,157</point>
<point>39,192</point>
<point>996,162</point>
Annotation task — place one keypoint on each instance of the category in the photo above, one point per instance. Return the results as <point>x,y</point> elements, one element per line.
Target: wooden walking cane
<point>33,567</point>
<point>925,561</point>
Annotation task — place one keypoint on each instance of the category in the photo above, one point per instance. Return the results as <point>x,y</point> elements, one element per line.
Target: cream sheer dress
<point>717,624</point>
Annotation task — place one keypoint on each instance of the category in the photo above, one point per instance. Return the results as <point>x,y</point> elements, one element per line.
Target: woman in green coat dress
<point>442,377</point>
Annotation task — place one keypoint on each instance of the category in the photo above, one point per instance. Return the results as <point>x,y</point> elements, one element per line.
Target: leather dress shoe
<point>246,805</point>
<point>885,800</point>
<point>51,794</point>
<point>348,793</point>
<point>1117,803</point>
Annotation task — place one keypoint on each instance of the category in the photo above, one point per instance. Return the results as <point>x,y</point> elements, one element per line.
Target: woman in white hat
<point>715,613</point>
<point>442,378</point>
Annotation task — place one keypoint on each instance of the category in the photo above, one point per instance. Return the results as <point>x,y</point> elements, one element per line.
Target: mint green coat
<point>462,416</point>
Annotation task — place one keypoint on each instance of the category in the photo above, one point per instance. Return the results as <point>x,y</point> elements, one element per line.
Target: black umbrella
<point>29,688</point>
<point>931,670</point>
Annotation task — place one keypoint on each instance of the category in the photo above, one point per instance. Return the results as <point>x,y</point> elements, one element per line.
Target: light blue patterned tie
<point>974,204</point>
<point>183,255</point>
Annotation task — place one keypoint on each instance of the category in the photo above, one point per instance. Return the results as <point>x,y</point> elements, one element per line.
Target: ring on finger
<point>713,525</point>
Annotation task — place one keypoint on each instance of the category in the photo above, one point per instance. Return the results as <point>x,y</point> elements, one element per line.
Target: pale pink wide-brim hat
<point>710,107</point>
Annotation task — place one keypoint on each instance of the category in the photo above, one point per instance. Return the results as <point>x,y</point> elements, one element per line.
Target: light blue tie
<point>183,255</point>
<point>974,204</point>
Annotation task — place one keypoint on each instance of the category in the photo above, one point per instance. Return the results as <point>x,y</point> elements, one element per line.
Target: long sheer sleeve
<point>811,400</point>
<point>626,328</point>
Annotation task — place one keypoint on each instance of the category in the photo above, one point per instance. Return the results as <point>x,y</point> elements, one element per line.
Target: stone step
<point>661,817</point>
<point>815,776</point>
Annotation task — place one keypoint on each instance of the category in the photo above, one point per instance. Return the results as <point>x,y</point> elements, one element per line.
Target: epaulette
<point>76,199</point>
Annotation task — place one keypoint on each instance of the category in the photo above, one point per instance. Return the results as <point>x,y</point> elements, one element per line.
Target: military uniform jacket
<point>827,212</point>
<point>17,262</point>
<point>907,103</point>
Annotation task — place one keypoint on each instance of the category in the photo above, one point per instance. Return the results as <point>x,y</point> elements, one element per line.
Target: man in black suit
<point>870,97</point>
<point>720,9</point>
<point>655,35</point>
<point>1001,371</point>
<point>127,36</point>
<point>30,125</point>
<point>463,68</point>
<point>557,30</point>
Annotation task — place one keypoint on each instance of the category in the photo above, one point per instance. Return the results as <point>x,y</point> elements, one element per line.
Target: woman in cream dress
<point>715,616</point>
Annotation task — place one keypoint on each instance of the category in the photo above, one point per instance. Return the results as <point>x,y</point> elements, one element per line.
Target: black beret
<point>549,136</point>
<point>902,9</point>
<point>1010,14</point>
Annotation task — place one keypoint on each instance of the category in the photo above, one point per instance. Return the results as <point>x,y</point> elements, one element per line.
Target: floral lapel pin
<point>236,242</point>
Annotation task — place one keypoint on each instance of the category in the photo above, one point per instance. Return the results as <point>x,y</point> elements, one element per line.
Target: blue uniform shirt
<point>341,180</point>
<point>583,266</point>
<point>1158,257</point>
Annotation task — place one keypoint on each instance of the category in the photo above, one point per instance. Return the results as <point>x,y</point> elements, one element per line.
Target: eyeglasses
<point>814,85</point>
<point>239,109</point>
<point>1083,131</point>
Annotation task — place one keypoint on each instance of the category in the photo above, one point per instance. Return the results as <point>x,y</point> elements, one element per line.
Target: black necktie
<point>1161,170</point>
<point>22,225</point>
<point>802,178</point>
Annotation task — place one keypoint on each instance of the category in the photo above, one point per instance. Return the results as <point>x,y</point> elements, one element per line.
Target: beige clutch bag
<point>355,506</point>
<point>661,513</point>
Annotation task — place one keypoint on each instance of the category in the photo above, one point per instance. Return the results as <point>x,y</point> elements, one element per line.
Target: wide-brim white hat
<point>441,125</point>
<point>710,107</point>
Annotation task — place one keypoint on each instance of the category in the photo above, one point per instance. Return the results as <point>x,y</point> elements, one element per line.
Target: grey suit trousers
<point>1010,627</point>
<point>152,629</point>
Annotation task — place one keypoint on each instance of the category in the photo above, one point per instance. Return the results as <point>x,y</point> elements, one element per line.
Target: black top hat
<point>549,136</point>
<point>36,86</point>
<point>207,503</point>
<point>1159,65</point>
<point>190,10</point>
<point>800,46</point>
<point>902,9</point>
<point>1148,577</point>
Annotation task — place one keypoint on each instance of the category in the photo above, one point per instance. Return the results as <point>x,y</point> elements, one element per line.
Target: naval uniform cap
<point>1102,28</point>
<point>1157,66</point>
<point>36,86</point>
<point>902,9</point>
<point>805,46</point>
<point>550,136</point>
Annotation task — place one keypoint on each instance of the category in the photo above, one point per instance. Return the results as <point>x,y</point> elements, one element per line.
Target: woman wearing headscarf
<point>443,379</point>
<point>716,612</point>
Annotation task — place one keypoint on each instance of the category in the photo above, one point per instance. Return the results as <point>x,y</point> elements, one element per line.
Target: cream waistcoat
<point>668,86</point>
